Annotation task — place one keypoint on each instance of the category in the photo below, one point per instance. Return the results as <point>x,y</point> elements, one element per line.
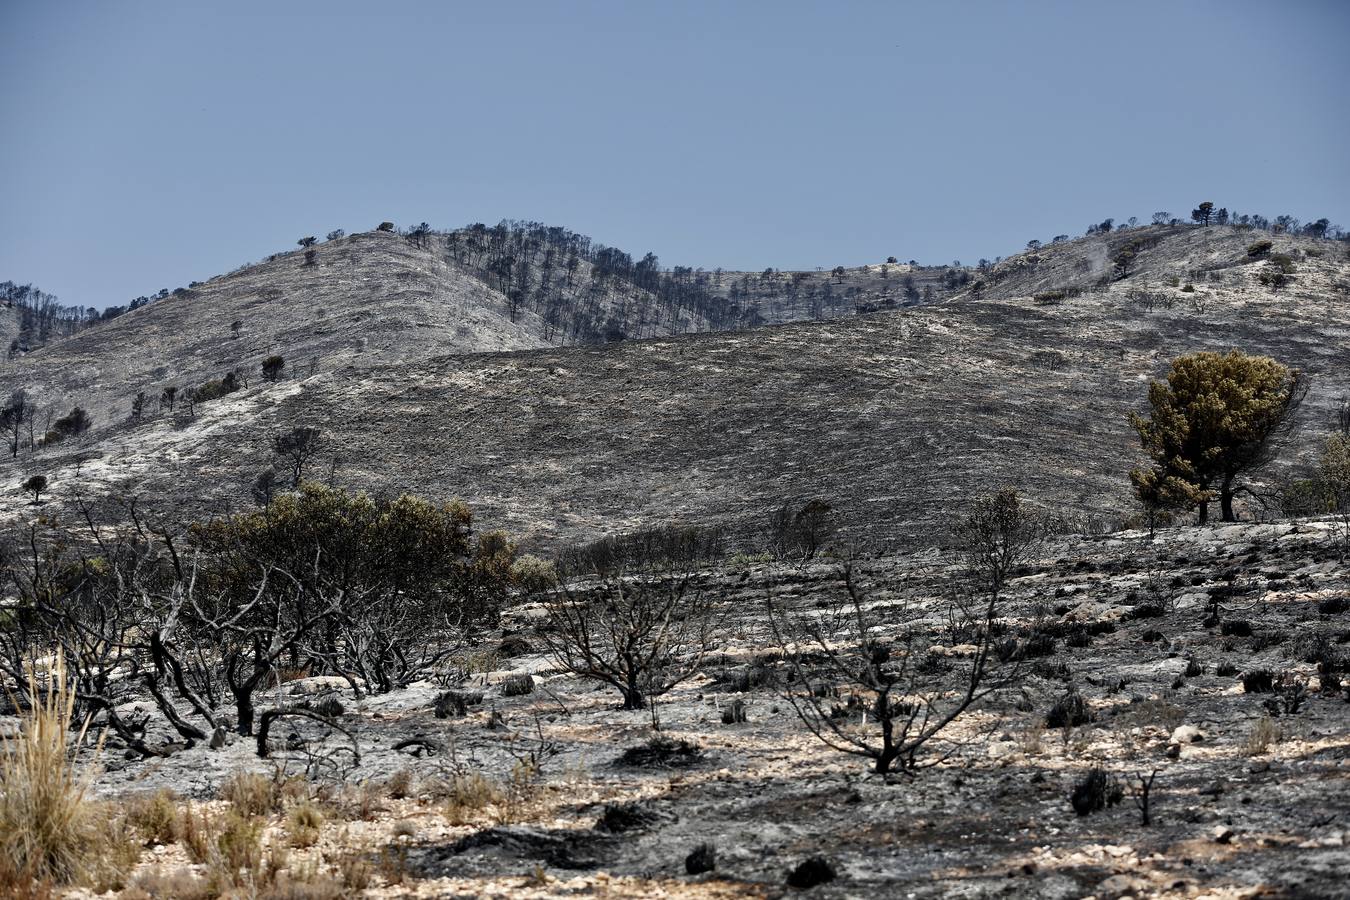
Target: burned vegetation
<point>321,691</point>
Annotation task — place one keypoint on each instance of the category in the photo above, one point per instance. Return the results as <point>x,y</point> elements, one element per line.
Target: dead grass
<point>253,794</point>
<point>1264,733</point>
<point>304,822</point>
<point>154,816</point>
<point>400,784</point>
<point>195,831</point>
<point>468,797</point>
<point>50,831</point>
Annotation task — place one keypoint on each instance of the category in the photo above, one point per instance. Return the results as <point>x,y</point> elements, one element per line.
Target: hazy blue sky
<point>148,144</point>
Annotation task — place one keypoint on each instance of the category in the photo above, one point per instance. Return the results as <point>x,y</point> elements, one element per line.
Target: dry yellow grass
<point>50,831</point>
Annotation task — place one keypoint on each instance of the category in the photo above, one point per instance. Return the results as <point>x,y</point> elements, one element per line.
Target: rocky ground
<point>528,795</point>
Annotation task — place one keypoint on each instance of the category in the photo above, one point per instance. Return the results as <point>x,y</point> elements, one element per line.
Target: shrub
<point>617,818</point>
<point>641,635</point>
<point>662,546</point>
<point>196,832</point>
<point>1278,270</point>
<point>330,707</point>
<point>518,685</point>
<point>1149,609</point>
<point>533,575</point>
<point>899,696</point>
<point>1069,711</point>
<point>238,851</point>
<point>216,388</point>
<point>422,579</point>
<point>662,752</point>
<point>801,532</point>
<point>1260,248</point>
<point>72,424</point>
<point>1095,791</point>
<point>1225,670</point>
<point>811,872</point>
<point>400,784</point>
<point>1258,681</point>
<point>1335,605</point>
<point>272,367</point>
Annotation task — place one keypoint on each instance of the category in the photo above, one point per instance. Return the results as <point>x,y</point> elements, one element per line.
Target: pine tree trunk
<point>1226,499</point>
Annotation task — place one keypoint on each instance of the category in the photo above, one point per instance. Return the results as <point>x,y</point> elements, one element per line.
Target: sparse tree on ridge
<point>1203,213</point>
<point>307,242</point>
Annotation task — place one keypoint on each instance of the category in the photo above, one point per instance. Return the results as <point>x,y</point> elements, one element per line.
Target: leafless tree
<point>863,680</point>
<point>298,447</point>
<point>15,414</point>
<point>642,634</point>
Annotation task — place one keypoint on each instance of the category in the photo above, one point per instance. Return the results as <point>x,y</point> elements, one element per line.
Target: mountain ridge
<point>886,415</point>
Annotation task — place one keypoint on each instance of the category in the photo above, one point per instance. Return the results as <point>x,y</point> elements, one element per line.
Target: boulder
<point>1187,734</point>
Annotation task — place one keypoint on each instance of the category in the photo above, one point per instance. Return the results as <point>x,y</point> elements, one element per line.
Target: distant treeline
<point>582,289</point>
<point>43,317</point>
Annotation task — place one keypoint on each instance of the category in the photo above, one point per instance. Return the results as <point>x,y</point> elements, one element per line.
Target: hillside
<point>888,416</point>
<point>380,298</point>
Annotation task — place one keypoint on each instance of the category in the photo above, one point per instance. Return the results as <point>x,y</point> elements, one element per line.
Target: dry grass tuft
<point>1264,733</point>
<point>354,867</point>
<point>154,816</point>
<point>252,794</point>
<point>304,822</point>
<point>174,885</point>
<point>196,831</point>
<point>400,784</point>
<point>50,831</point>
<point>469,796</point>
